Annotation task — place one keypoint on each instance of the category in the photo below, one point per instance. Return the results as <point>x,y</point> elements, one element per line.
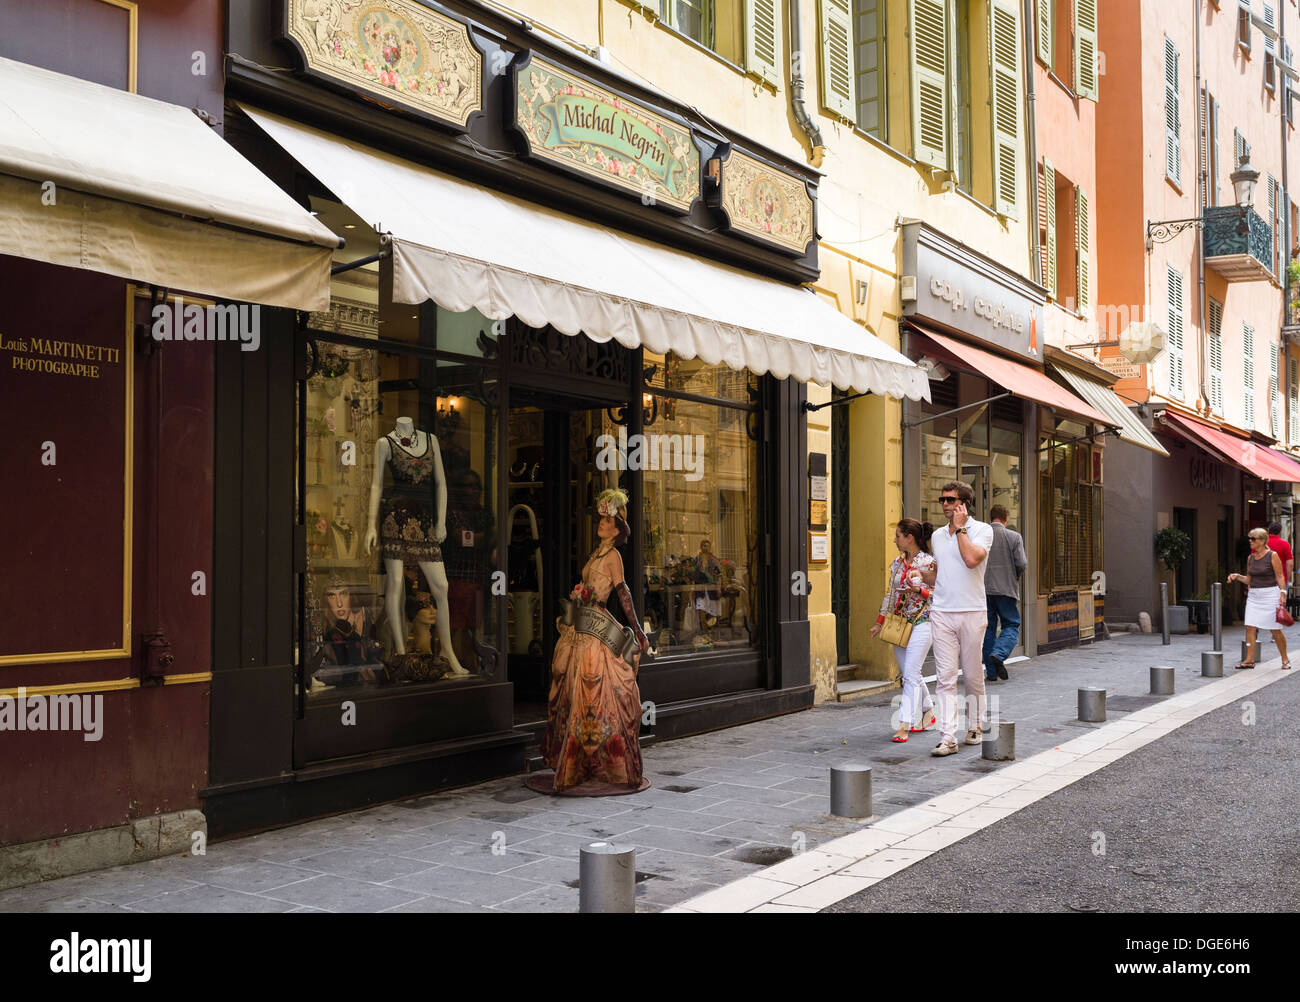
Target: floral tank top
<point>914,607</point>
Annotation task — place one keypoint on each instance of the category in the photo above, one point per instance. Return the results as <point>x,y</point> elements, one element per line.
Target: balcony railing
<point>1238,257</point>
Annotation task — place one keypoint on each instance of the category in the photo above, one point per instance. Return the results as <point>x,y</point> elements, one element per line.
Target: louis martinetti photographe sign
<point>957,288</point>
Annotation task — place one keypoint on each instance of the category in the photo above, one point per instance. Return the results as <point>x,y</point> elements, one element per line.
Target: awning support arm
<point>809,408</point>
<point>955,410</point>
<point>1081,438</point>
<point>338,269</point>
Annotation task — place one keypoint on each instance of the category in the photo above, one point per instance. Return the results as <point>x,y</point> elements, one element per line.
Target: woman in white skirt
<point>911,578</point>
<point>1266,593</point>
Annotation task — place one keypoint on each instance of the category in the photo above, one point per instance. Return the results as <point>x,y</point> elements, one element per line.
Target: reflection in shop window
<point>700,529</point>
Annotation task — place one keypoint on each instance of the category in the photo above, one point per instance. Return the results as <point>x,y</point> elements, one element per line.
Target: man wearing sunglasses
<point>959,614</point>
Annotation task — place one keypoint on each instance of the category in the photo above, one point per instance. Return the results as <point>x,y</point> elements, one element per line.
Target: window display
<point>701,522</point>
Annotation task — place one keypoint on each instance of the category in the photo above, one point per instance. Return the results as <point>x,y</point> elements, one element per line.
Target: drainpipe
<point>801,115</point>
<point>1031,137</point>
<point>1204,339</point>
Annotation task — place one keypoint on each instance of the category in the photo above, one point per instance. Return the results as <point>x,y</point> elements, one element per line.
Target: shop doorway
<point>549,527</point>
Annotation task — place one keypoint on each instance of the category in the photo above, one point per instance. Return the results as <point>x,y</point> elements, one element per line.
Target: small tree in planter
<point>1172,545</point>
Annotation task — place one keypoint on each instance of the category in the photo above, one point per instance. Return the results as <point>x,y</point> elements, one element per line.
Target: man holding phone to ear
<point>959,614</point>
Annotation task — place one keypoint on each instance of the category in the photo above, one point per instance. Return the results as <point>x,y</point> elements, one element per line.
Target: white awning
<point>464,246</point>
<point>102,179</point>
<point>1131,430</point>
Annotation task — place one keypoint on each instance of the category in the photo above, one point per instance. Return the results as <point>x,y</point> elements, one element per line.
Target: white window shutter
<point>1248,373</point>
<point>1214,150</point>
<point>1081,246</point>
<point>1175,349</point>
<point>1293,396</point>
<point>837,58</point>
<point>928,40</point>
<point>1049,196</point>
<point>1004,34</point>
<point>1045,29</point>
<point>1274,400</point>
<point>1216,356</point>
<point>1173,125</point>
<point>762,40</point>
<point>1085,48</point>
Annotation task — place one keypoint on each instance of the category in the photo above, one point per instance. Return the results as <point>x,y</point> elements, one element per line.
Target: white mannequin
<point>434,572</point>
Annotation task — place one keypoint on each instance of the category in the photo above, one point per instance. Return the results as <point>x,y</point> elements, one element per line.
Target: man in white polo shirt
<point>959,614</point>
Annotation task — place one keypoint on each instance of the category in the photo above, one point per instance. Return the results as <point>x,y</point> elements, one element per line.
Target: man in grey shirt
<point>1007,562</point>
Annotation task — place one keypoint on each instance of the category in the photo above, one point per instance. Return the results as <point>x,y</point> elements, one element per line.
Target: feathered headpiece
<point>611,501</point>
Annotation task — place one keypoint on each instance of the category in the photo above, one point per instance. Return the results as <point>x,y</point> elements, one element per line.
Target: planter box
<point>1178,619</point>
<point>1198,612</point>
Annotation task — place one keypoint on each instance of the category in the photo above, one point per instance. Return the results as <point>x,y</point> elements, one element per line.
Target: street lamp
<point>1243,188</point>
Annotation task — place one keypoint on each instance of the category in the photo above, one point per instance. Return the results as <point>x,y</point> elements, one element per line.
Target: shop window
<point>700,527</point>
<point>1070,509</point>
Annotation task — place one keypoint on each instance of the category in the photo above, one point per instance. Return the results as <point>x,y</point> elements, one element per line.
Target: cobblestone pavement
<point>723,805</point>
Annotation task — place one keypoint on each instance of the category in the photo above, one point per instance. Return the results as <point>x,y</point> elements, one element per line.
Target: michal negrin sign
<point>577,125</point>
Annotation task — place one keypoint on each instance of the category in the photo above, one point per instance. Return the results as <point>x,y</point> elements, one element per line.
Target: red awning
<point>1019,379</point>
<point>1252,457</point>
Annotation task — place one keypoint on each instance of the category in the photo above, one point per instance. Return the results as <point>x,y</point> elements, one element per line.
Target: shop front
<point>555,283</point>
<point>998,423</point>
<point>1215,486</point>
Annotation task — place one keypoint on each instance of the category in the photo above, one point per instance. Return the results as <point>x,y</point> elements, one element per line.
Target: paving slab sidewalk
<point>724,805</point>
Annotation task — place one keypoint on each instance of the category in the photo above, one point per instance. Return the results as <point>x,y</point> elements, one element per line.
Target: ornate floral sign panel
<point>584,128</point>
<point>397,50</point>
<point>762,202</point>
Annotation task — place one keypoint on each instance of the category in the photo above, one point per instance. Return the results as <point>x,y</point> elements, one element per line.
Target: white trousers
<point>916,694</point>
<point>959,644</point>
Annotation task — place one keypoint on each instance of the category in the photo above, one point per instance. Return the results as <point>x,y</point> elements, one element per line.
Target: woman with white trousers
<point>1265,594</point>
<point>911,578</point>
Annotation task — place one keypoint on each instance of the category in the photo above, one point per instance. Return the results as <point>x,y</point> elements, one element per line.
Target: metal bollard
<point>1002,746</point>
<point>1216,613</point>
<point>851,791</point>
<point>1212,664</point>
<point>1162,680</point>
<point>606,878</point>
<point>1092,705</point>
<point>1164,613</point>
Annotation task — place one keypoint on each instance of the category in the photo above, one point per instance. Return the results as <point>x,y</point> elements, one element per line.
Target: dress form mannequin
<point>411,528</point>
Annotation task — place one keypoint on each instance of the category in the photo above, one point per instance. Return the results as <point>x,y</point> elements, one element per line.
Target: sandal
<point>1244,664</point>
<point>1286,665</point>
<point>928,722</point>
<point>900,737</point>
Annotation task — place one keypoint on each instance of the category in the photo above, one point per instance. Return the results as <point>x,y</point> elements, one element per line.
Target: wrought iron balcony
<point>1237,256</point>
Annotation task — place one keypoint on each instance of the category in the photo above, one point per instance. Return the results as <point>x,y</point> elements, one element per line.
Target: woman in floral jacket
<point>911,580</point>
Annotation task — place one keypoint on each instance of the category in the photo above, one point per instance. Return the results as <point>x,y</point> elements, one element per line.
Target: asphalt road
<point>1206,818</point>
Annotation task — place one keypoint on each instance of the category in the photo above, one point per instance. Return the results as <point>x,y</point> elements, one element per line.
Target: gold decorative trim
<point>108,685</point>
<point>128,467</point>
<point>132,40</point>
<point>766,204</point>
<point>396,50</point>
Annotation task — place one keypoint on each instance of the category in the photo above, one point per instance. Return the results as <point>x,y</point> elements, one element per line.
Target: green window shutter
<point>1044,30</point>
<point>1049,196</point>
<point>1173,146</point>
<point>1004,69</point>
<point>928,54</point>
<point>837,58</point>
<point>1081,244</point>
<point>1085,48</point>
<point>869,65</point>
<point>762,40</point>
